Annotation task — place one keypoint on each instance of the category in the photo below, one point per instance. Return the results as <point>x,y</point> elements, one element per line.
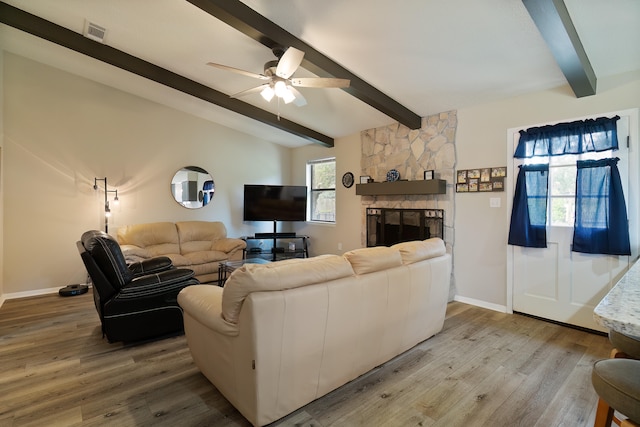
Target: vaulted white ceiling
<point>428,55</point>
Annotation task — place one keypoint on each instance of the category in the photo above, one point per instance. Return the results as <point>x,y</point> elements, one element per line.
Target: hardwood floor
<point>484,369</point>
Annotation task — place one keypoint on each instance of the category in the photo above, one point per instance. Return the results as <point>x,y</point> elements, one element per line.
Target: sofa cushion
<point>198,236</point>
<point>368,260</point>
<point>420,249</point>
<point>158,238</point>
<point>134,253</point>
<point>209,268</point>
<point>179,260</point>
<point>276,276</point>
<point>228,245</point>
<point>205,257</point>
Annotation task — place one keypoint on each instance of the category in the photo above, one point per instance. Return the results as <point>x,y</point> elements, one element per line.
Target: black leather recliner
<point>136,301</point>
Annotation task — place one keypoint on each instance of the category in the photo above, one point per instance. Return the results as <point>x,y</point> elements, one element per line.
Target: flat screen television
<point>275,202</point>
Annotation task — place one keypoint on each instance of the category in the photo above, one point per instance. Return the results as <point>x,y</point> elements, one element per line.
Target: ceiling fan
<point>279,81</point>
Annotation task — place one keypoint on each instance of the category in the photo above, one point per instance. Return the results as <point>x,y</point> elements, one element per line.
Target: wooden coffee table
<point>225,268</point>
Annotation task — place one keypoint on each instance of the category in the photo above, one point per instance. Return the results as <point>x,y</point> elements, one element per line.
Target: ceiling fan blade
<point>239,71</point>
<point>300,101</point>
<point>323,82</point>
<point>289,62</point>
<point>256,89</point>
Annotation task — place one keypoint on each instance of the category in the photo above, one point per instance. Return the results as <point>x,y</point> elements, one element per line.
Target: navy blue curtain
<point>568,138</point>
<point>529,214</point>
<point>601,225</point>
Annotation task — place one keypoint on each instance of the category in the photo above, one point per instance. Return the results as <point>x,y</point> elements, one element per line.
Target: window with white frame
<point>321,180</point>
<point>562,186</point>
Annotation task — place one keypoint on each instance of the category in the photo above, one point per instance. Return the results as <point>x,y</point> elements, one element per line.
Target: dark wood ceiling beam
<point>54,33</point>
<point>246,20</point>
<point>554,23</point>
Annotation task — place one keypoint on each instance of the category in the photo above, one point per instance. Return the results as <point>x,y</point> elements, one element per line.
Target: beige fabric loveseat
<point>281,335</point>
<point>198,245</point>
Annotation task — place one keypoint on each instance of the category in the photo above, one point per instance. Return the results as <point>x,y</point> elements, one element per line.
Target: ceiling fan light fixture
<point>268,93</point>
<point>288,96</point>
<point>280,88</point>
<point>280,82</point>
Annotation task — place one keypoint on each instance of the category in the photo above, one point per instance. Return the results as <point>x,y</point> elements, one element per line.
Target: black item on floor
<point>71,290</point>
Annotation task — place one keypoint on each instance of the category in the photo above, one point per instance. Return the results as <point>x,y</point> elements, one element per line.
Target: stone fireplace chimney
<point>411,153</point>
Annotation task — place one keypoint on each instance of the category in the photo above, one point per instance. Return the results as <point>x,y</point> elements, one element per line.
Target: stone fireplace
<point>411,153</point>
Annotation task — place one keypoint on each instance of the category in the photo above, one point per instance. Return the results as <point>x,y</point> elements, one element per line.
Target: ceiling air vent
<point>94,31</point>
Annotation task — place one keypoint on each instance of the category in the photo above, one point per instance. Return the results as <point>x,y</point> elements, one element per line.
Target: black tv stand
<point>283,246</point>
<point>276,246</point>
<point>282,235</point>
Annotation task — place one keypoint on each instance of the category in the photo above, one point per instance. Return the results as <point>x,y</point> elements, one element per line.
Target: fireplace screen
<point>387,227</point>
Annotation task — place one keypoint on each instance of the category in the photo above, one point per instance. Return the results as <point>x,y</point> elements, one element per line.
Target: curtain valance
<point>577,137</point>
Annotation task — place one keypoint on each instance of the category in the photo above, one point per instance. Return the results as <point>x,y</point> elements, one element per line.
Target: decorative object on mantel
<point>347,180</point>
<point>393,175</point>
<point>429,174</point>
<point>480,180</point>
<point>107,209</point>
<point>365,179</point>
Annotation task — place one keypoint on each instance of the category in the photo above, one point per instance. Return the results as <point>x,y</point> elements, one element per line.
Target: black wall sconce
<point>107,209</point>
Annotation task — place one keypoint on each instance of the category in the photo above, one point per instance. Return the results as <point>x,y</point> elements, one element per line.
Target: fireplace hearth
<point>388,226</point>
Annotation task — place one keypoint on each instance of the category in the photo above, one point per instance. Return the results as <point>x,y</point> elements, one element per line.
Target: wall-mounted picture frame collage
<point>480,180</point>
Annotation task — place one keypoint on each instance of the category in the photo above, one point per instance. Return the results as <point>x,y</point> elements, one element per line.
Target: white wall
<point>345,234</point>
<point>61,131</point>
<point>480,231</point>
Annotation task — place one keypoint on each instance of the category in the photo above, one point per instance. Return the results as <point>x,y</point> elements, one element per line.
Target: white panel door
<point>558,284</point>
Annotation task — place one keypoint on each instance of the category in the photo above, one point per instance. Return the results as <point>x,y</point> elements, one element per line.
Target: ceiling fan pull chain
<point>278,108</point>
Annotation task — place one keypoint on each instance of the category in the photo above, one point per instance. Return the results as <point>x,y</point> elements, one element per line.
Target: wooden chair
<point>625,346</point>
<point>617,382</point>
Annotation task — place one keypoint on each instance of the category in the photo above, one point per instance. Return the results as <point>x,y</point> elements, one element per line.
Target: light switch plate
<point>494,202</point>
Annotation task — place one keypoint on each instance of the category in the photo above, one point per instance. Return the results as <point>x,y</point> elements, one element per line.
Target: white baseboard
<point>25,294</point>
<point>479,303</point>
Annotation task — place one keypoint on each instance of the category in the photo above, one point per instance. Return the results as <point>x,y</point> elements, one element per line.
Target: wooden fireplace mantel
<point>429,186</point>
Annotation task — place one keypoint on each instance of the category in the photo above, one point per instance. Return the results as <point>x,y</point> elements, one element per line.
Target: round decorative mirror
<point>192,187</point>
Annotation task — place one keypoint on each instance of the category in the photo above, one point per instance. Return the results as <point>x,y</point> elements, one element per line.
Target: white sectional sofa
<point>281,335</point>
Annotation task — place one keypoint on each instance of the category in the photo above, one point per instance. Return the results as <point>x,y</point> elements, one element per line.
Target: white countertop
<point>620,308</point>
